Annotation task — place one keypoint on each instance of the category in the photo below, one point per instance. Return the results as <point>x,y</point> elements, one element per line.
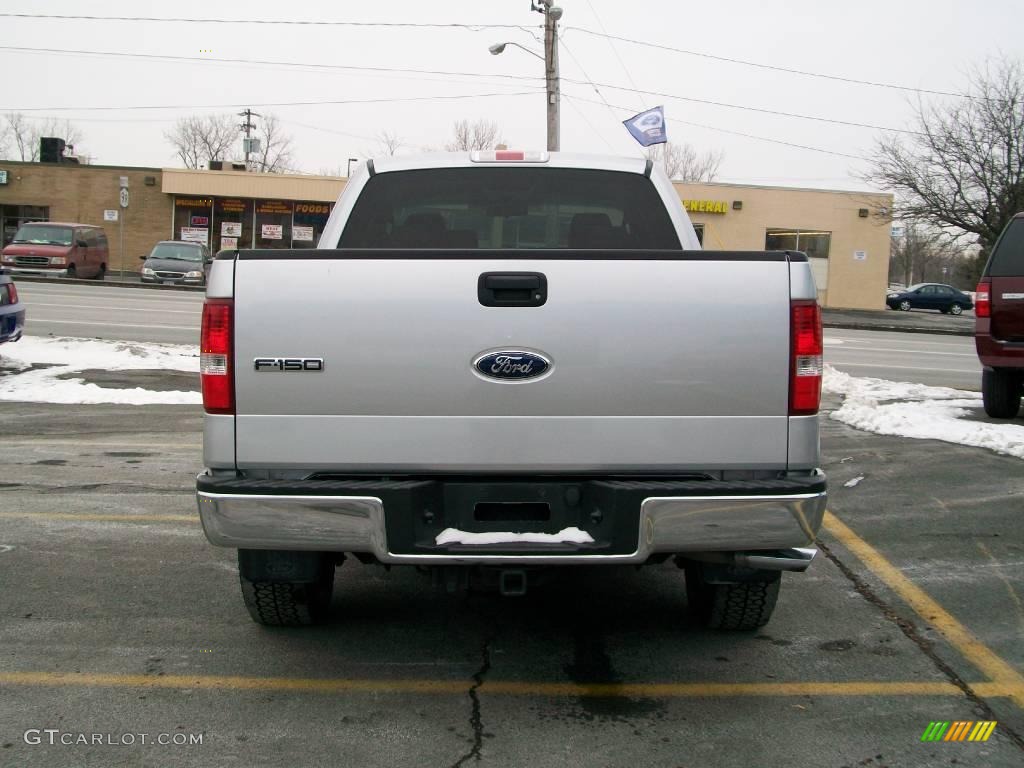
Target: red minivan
<point>999,329</point>
<point>57,249</point>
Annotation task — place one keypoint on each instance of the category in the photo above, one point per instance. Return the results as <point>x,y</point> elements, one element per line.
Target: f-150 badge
<point>290,364</point>
<point>511,365</point>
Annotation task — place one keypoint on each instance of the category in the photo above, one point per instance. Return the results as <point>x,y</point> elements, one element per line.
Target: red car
<point>999,329</point>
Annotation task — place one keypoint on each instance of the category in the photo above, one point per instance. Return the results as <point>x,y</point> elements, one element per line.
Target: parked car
<point>57,249</point>
<point>176,262</point>
<point>12,311</point>
<point>999,327</point>
<point>945,298</point>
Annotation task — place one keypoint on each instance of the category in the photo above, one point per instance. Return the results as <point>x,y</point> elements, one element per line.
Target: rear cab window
<point>1007,258</point>
<point>509,208</point>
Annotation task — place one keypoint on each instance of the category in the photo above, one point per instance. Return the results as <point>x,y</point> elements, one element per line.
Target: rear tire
<point>738,607</point>
<point>289,603</point>
<point>956,309</point>
<point>1000,392</point>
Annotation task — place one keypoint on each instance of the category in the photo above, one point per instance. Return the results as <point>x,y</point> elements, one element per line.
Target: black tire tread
<point>1000,393</point>
<point>743,607</point>
<point>286,604</point>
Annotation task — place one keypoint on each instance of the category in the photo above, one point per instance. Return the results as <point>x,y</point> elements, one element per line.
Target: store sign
<point>314,208</point>
<point>706,206</point>
<point>274,207</point>
<point>110,215</point>
<point>229,242</point>
<point>860,255</point>
<point>3,177</point>
<point>200,221</point>
<point>231,205</point>
<point>195,234</point>
<point>302,233</point>
<point>231,229</point>
<point>272,232</point>
<point>192,202</point>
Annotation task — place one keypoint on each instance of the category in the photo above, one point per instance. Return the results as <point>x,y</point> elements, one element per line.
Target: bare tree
<point>388,143</point>
<point>921,253</point>
<point>483,134</point>
<point>275,155</point>
<point>198,139</point>
<point>682,162</point>
<point>20,135</point>
<point>962,170</point>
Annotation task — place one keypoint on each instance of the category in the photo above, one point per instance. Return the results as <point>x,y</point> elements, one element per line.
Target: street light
<point>348,168</point>
<point>552,13</point>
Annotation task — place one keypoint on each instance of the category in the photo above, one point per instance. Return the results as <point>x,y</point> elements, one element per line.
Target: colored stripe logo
<point>959,730</point>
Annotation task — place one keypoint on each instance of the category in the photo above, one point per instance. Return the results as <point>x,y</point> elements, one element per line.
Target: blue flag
<point>648,127</point>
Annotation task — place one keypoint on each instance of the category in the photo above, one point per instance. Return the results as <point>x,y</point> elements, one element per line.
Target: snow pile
<point>566,535</point>
<point>915,410</point>
<point>69,355</point>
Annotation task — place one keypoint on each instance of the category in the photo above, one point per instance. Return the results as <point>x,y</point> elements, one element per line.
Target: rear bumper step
<point>628,520</point>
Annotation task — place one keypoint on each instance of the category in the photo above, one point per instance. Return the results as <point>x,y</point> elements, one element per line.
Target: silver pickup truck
<point>500,362</point>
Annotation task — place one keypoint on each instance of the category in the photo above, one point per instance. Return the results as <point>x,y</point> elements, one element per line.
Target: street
<point>90,311</point>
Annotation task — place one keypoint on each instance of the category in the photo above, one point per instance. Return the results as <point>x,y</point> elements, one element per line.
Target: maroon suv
<point>999,330</point>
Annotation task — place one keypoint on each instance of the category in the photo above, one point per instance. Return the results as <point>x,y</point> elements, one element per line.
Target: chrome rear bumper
<point>669,524</point>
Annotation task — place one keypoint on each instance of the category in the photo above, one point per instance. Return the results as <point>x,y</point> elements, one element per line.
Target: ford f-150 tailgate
<point>615,349</point>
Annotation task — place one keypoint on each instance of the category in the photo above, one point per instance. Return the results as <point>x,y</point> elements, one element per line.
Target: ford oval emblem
<point>512,365</point>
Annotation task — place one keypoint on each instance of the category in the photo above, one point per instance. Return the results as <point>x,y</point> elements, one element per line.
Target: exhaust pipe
<point>512,583</point>
<point>795,559</point>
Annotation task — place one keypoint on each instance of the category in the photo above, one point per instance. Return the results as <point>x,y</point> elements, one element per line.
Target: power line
<point>596,90</point>
<point>263,62</point>
<point>738,133</point>
<point>279,103</point>
<point>761,110</point>
<point>268,22</point>
<point>434,72</point>
<point>615,51</point>
<point>771,67</point>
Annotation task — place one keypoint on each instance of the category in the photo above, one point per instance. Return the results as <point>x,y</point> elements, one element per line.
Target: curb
<point>107,283</point>
<point>899,328</point>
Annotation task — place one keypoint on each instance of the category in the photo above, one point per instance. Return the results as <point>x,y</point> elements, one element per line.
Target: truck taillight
<point>805,358</point>
<point>12,294</point>
<point>215,353</point>
<point>983,298</point>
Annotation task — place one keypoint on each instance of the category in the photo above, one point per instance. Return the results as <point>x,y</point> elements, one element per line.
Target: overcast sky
<point>924,44</point>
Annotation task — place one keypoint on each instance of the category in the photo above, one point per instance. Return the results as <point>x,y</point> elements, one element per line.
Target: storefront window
<point>273,224</point>
<point>13,216</point>
<point>812,242</point>
<point>699,229</point>
<point>232,223</point>
<point>192,219</point>
<point>309,222</point>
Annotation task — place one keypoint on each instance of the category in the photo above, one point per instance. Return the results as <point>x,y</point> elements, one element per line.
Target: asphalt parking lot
<point>117,618</point>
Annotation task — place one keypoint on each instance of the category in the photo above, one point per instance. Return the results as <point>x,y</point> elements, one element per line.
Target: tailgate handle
<point>512,289</point>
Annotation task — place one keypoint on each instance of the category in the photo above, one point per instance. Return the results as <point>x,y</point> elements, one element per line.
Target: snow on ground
<point>68,355</point>
<point>919,411</point>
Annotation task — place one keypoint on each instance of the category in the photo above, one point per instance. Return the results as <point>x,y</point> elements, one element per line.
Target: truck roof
<point>556,160</point>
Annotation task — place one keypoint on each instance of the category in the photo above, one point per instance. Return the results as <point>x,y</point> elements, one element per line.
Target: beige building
<point>846,234</point>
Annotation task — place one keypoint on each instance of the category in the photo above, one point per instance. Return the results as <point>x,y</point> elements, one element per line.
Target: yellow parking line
<point>102,518</point>
<point>961,638</point>
<point>497,687</point>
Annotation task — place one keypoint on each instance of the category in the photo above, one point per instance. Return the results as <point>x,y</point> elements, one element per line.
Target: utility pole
<point>552,14</point>
<point>247,126</point>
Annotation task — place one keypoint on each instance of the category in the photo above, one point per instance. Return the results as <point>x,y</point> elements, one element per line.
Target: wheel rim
<point>905,306</point>
<point>956,309</point>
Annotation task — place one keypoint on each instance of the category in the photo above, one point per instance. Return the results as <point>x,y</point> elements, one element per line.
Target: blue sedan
<point>945,298</point>
<point>12,312</point>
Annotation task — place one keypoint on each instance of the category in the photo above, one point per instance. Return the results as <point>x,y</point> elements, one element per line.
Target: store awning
<point>265,186</point>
